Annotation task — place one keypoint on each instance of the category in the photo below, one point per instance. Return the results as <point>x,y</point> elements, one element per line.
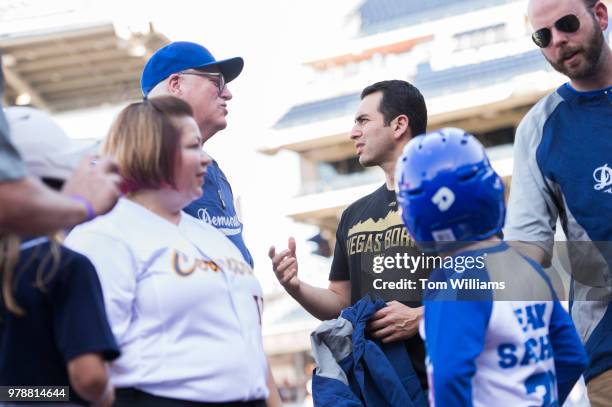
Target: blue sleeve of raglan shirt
<point>455,332</point>
<point>570,357</point>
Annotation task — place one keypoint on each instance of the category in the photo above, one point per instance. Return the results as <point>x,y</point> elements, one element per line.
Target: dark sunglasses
<point>566,24</point>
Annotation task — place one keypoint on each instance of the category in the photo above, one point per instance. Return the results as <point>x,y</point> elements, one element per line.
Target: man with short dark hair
<point>562,168</point>
<point>389,115</point>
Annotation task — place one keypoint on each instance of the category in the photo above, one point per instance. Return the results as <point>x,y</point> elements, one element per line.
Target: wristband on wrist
<point>90,210</point>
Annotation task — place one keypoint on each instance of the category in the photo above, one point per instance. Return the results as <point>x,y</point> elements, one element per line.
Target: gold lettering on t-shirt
<point>370,225</point>
<point>368,244</point>
<point>372,236</point>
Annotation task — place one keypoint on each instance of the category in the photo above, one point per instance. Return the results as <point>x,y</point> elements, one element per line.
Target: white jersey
<point>184,306</point>
<point>513,346</point>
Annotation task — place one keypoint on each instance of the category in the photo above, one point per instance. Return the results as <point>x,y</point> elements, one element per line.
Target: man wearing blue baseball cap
<point>190,72</point>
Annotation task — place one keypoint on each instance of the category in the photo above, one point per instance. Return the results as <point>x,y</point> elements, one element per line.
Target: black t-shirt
<point>61,322</point>
<point>371,229</point>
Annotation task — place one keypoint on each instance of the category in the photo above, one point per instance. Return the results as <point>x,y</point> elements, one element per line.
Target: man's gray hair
<point>161,89</point>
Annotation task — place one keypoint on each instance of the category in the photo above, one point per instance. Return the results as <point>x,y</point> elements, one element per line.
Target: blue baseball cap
<point>180,55</point>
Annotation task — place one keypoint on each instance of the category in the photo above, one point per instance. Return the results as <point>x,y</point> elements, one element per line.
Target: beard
<point>591,51</point>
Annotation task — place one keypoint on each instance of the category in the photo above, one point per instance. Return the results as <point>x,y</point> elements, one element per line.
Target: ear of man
<point>174,84</point>
<point>601,14</point>
<point>401,127</point>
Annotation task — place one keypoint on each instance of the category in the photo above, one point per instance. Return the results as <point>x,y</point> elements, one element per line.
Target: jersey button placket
<point>230,280</point>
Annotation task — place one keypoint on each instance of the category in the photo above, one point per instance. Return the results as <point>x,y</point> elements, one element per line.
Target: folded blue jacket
<point>355,371</point>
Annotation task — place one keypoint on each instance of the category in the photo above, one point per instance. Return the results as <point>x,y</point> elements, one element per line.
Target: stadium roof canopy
<point>76,63</point>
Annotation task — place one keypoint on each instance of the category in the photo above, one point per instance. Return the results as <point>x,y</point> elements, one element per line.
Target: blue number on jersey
<point>545,380</point>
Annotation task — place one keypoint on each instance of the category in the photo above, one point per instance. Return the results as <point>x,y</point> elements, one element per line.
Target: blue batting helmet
<point>448,190</point>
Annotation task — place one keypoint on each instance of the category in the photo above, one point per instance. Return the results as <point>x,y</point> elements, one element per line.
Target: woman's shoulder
<point>112,224</point>
<point>191,223</point>
<point>206,235</point>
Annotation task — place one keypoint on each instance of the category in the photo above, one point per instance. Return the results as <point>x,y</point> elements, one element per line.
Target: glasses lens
<point>221,82</point>
<point>568,24</point>
<point>541,38</point>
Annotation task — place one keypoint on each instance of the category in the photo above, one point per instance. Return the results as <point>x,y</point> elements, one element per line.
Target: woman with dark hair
<point>183,304</point>
<point>53,326</point>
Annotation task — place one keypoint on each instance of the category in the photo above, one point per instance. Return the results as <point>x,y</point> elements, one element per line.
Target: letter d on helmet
<point>443,199</point>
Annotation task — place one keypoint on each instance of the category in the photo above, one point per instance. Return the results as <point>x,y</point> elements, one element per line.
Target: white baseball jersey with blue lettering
<point>511,347</point>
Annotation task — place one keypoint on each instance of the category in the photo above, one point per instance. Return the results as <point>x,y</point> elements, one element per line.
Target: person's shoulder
<point>214,171</point>
<point>532,264</point>
<point>524,278</point>
<point>32,254</point>
<point>191,222</point>
<point>207,236</point>
<point>540,113</point>
<point>39,248</point>
<point>109,224</point>
<point>74,258</point>
<point>362,206</point>
<point>59,261</point>
<point>214,166</point>
<point>74,265</point>
<point>366,200</point>
<point>199,228</point>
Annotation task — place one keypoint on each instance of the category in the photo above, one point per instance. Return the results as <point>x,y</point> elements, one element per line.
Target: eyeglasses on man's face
<point>216,77</point>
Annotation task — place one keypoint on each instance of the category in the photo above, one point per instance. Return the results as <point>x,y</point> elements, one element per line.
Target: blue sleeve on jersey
<point>455,332</point>
<point>570,357</point>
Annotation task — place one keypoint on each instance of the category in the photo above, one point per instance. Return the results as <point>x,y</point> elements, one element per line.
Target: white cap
<point>46,149</point>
